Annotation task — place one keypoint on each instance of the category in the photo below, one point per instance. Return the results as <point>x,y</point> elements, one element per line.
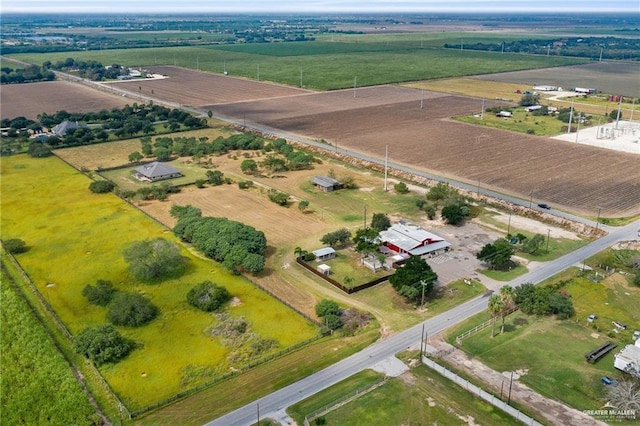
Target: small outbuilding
<point>156,171</point>
<point>628,359</point>
<point>324,269</point>
<point>326,183</point>
<point>324,253</point>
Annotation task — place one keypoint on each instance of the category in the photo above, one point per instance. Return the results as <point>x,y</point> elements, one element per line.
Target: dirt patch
<point>534,226</point>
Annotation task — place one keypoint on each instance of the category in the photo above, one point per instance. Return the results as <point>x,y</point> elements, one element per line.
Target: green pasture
<point>557,246</point>
<point>521,121</point>
<point>421,396</point>
<point>76,237</point>
<point>552,351</point>
<point>125,180</point>
<point>319,65</point>
<point>37,386</point>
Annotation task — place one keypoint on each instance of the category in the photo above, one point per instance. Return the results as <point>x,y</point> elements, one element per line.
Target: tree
<point>327,307</point>
<point>613,115</point>
<point>497,255</point>
<point>439,191</point>
<point>280,198</point>
<point>561,305</point>
<point>531,245</point>
<point>380,222</point>
<point>39,150</point>
<point>153,259</point>
<point>335,238</point>
<point>366,241</point>
<point>215,177</point>
<point>101,186</point>
<point>14,246</point>
<point>131,310</point>
<point>529,99</point>
<point>626,396</point>
<point>507,295</point>
<point>332,322</point>
<point>103,344</point>
<point>208,296</point>
<point>401,188</point>
<point>303,205</point>
<point>135,156</point>
<point>454,213</point>
<point>100,294</point>
<point>413,278</point>
<point>249,167</point>
<point>495,305</point>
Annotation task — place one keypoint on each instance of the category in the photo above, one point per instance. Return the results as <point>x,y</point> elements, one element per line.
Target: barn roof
<point>408,237</point>
<point>325,181</point>
<point>156,170</point>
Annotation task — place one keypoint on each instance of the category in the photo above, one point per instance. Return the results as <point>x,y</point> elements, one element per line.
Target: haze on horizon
<point>319,6</point>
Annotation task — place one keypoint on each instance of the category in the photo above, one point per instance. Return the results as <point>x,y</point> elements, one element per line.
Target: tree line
<point>28,74</point>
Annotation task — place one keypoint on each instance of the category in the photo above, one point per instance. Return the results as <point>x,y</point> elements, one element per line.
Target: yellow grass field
<point>77,237</point>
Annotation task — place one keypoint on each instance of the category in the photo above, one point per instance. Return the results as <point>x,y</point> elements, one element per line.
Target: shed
<point>326,183</point>
<point>324,253</point>
<point>324,269</point>
<point>156,171</point>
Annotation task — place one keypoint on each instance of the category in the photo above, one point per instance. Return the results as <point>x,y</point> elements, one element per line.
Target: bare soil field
<point>30,99</point>
<point>194,88</point>
<point>618,78</point>
<point>576,177</point>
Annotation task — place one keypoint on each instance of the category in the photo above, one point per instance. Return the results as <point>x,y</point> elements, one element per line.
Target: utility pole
<point>548,235</point>
<point>301,78</point>
<point>570,118</point>
<point>258,72</point>
<point>509,224</point>
<point>422,99</point>
<point>598,219</point>
<point>355,83</point>
<point>424,284</point>
<point>510,383</point>
<point>530,199</point>
<point>365,216</point>
<point>386,166</point>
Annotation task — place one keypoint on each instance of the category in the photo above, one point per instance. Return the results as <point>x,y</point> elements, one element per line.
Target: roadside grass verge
<point>260,381</point>
<point>350,385</point>
<point>76,237</point>
<point>37,384</point>
<point>504,275</point>
<point>420,396</point>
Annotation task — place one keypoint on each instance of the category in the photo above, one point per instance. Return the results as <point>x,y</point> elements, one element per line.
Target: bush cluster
<point>208,296</point>
<point>103,344</point>
<point>131,310</point>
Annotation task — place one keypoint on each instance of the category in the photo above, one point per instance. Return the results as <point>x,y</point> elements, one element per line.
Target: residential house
<point>156,171</point>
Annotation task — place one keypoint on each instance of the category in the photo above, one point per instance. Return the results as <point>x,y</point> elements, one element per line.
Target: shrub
<point>152,259</point>
<point>280,198</point>
<point>327,307</point>
<point>15,246</point>
<point>401,188</point>
<point>101,294</point>
<point>101,186</point>
<point>245,184</point>
<point>332,321</point>
<point>103,344</point>
<point>131,310</point>
<point>208,296</point>
<point>39,150</point>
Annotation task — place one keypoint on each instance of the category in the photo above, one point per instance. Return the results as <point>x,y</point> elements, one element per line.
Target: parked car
<point>592,317</point>
<point>544,206</point>
<point>609,381</point>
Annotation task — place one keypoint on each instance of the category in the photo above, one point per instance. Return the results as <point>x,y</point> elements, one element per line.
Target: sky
<point>317,6</point>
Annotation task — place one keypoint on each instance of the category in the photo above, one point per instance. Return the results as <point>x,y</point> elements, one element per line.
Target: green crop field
<point>37,384</point>
<point>76,237</point>
<point>320,65</point>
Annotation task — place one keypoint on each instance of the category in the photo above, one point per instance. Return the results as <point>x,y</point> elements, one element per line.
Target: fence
<point>482,326</point>
<point>348,290</point>
<point>343,400</point>
<point>490,398</point>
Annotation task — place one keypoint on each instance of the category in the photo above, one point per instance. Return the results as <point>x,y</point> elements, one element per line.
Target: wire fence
<point>479,327</point>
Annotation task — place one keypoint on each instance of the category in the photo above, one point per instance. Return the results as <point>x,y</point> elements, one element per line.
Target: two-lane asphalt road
<point>279,400</point>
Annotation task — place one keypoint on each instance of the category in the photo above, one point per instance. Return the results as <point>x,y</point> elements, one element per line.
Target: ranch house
<point>411,240</point>
<point>155,171</point>
<point>65,127</point>
<point>326,183</point>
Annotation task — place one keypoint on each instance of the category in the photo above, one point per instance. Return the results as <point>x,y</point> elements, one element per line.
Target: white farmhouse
<point>628,359</point>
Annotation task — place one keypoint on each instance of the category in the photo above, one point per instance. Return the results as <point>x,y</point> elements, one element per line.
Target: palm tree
<point>297,252</point>
<point>507,295</point>
<point>495,307</point>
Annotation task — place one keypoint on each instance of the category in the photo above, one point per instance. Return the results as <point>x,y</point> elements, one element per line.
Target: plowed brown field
<point>30,99</point>
<point>193,88</point>
<point>577,177</point>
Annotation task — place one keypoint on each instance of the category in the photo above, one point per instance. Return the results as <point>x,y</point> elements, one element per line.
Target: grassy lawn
<point>324,65</point>
<point>30,360</point>
<point>421,396</point>
<point>504,275</point>
<point>552,351</point>
<point>521,121</point>
<point>347,270</point>
<point>76,237</point>
<point>126,181</point>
